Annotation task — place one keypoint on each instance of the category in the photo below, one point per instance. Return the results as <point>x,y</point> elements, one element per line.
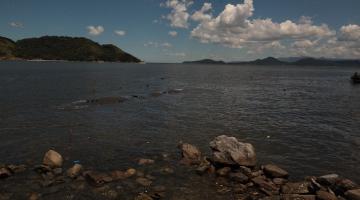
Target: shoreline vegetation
<point>62,48</point>
<point>232,170</point>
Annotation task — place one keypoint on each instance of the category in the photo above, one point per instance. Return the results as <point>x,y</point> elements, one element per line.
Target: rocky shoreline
<point>231,168</point>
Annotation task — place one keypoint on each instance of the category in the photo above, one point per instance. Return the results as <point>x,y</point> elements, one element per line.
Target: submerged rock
<point>97,179</point>
<point>130,172</point>
<point>17,168</point>
<point>53,159</point>
<point>107,100</point>
<point>144,181</point>
<point>190,154</point>
<point>228,150</point>
<point>274,171</point>
<point>144,161</point>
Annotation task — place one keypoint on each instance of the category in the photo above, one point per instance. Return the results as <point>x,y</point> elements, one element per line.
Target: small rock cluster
<point>52,175</point>
<point>233,163</point>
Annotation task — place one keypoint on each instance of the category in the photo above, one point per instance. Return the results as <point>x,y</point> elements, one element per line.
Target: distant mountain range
<point>205,61</point>
<point>61,48</point>
<point>306,61</point>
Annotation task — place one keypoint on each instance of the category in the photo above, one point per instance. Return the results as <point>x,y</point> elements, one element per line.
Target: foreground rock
<point>74,171</point>
<point>4,173</point>
<point>275,171</point>
<point>353,194</point>
<point>190,154</point>
<point>228,150</point>
<point>53,159</point>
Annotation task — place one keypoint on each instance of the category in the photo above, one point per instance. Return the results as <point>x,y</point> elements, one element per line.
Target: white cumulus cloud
<point>235,28</point>
<point>16,24</point>
<point>179,15</point>
<point>95,30</point>
<point>120,32</point>
<point>350,32</point>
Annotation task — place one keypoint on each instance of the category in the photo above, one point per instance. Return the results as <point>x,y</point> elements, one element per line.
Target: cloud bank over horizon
<point>235,27</point>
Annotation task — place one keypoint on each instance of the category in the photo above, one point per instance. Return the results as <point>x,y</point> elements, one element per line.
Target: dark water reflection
<point>312,114</point>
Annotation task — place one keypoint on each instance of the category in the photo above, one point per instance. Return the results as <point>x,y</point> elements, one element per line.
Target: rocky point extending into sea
<point>232,166</point>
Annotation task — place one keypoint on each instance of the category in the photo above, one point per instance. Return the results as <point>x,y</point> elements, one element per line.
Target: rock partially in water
<point>175,91</point>
<point>17,168</point>
<point>74,171</point>
<point>41,169</point>
<point>353,194</point>
<point>143,196</point>
<point>34,196</point>
<point>97,179</point>
<point>144,181</point>
<point>191,155</point>
<point>144,161</point>
<point>328,180</point>
<point>53,159</point>
<point>4,173</point>
<point>343,185</point>
<point>228,150</point>
<point>205,166</point>
<point>130,172</point>
<point>274,171</point>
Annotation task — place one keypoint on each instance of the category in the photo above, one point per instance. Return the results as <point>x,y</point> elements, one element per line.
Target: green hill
<point>65,48</point>
<point>7,48</point>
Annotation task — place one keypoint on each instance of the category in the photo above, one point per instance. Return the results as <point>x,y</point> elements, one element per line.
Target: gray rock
<point>274,171</point>
<point>53,159</point>
<point>228,150</point>
<point>353,194</point>
<point>329,179</point>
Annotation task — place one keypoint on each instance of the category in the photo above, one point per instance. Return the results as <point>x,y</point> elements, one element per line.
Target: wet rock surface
<point>228,150</point>
<point>160,177</point>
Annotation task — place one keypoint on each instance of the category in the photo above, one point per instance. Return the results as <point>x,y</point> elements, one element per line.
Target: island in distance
<point>271,61</point>
<point>62,48</point>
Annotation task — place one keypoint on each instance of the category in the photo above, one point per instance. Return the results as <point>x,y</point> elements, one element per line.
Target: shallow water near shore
<point>304,119</point>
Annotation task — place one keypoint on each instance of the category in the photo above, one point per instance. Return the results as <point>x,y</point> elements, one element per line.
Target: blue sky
<point>228,30</point>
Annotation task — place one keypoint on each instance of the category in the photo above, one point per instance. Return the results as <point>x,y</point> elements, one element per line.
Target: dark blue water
<point>305,119</point>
